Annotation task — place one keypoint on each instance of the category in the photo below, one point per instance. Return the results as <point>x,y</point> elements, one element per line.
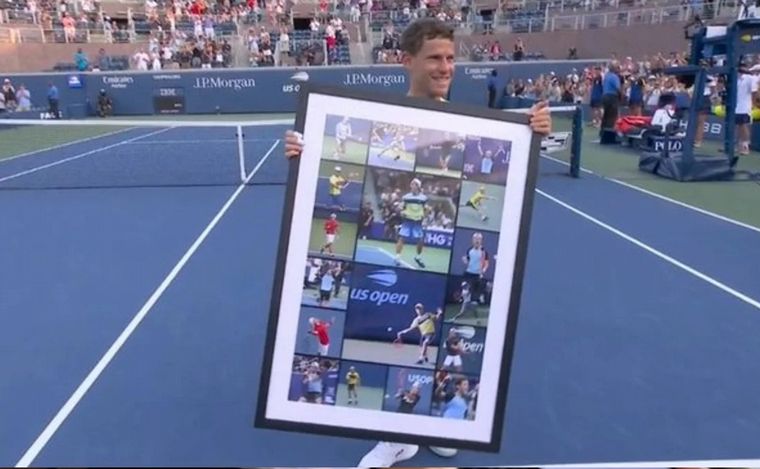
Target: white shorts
<point>329,239</point>
<point>322,349</point>
<point>340,140</point>
<point>452,360</point>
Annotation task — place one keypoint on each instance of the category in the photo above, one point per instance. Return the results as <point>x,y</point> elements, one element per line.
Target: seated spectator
<point>69,27</point>
<point>663,118</point>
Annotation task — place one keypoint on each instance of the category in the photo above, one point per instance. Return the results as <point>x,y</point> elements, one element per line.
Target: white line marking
<point>146,123</point>
<point>685,205</point>
<point>76,157</point>
<point>42,440</point>
<point>200,142</point>
<point>659,465</point>
<point>665,198</point>
<point>722,286</point>
<point>62,145</point>
<point>584,170</point>
<point>385,253</point>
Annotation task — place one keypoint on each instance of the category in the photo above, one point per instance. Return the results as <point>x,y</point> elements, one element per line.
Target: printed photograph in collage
<point>440,153</point>
<point>394,316</point>
<point>346,139</point>
<point>336,210</point>
<point>314,380</point>
<point>392,146</point>
<point>486,160</point>
<point>455,396</point>
<point>412,220</point>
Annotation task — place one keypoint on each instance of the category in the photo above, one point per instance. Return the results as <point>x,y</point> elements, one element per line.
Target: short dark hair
<point>415,35</point>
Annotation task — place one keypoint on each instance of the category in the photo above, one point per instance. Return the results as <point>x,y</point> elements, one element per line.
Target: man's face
<point>432,69</point>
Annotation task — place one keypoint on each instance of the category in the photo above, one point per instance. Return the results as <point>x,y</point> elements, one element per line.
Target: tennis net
<point>114,153</point>
<point>561,150</point>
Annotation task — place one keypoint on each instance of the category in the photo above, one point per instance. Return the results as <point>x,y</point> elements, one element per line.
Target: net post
<point>241,153</point>
<point>575,151</point>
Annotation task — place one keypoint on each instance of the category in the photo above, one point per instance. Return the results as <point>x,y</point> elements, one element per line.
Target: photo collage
<point>398,280</point>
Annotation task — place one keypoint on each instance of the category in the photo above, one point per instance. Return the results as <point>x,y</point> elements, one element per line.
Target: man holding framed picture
<point>428,55</point>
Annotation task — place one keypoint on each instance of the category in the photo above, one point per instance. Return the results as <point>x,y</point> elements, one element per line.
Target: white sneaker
<point>386,454</point>
<point>444,452</point>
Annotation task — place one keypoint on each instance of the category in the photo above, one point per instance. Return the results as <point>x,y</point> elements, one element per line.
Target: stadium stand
<point>200,34</point>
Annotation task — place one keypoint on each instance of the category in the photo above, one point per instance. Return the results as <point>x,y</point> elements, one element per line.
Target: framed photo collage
<point>399,278</point>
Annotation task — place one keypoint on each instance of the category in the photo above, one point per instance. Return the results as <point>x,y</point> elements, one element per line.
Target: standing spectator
<point>611,94</point>
<point>53,98</point>
<point>636,96</point>
<point>519,52</point>
<point>492,89</point>
<point>9,95</point>
<point>24,99</point>
<point>597,91</point>
<point>141,60</point>
<point>208,27</point>
<point>80,59</point>
<point>104,61</point>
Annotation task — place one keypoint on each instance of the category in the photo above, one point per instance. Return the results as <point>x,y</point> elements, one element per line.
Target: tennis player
<point>476,261</point>
<point>352,382</point>
<point>412,213</point>
<point>453,142</point>
<point>332,227</point>
<point>428,55</point>
<point>454,351</point>
<point>312,378</point>
<point>342,133</point>
<point>321,331</point>
<point>326,285</point>
<point>396,146</point>
<point>425,322</point>
<point>338,182</point>
<point>408,399</point>
<point>476,202</point>
<point>467,301</point>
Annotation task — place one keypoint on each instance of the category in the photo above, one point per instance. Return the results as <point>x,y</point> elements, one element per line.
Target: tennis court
<point>136,271</point>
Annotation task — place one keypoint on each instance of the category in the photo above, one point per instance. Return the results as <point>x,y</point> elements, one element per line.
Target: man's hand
<point>540,118</point>
<point>293,144</point>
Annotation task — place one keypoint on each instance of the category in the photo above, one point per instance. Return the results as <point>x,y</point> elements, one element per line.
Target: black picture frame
<point>493,443</point>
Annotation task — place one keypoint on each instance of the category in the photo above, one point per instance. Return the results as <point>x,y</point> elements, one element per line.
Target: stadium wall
<point>636,41</point>
<point>271,90</point>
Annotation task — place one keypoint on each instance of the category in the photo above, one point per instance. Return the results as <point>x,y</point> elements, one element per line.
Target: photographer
<point>105,106</point>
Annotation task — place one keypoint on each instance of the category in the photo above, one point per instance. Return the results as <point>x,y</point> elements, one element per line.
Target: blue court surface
<point>134,314</point>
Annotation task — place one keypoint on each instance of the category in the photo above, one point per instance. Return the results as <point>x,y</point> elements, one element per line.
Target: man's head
<point>416,186</point>
<point>462,385</point>
<point>427,46</point>
<point>477,239</point>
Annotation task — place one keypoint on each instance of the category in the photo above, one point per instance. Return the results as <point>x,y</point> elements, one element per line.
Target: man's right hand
<point>293,144</point>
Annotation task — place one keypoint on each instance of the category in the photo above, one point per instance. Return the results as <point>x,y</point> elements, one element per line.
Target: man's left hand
<point>540,118</point>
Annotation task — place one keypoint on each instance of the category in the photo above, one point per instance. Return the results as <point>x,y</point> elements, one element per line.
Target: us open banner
<point>400,269</point>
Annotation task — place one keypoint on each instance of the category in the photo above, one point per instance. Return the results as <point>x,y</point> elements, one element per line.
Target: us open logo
<point>383,278</point>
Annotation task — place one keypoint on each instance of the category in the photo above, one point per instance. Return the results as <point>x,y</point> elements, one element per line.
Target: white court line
<point>663,197</point>
<point>62,145</point>
<point>385,253</point>
<point>80,155</point>
<point>749,463</point>
<point>722,286</point>
<point>52,427</point>
<point>200,142</point>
